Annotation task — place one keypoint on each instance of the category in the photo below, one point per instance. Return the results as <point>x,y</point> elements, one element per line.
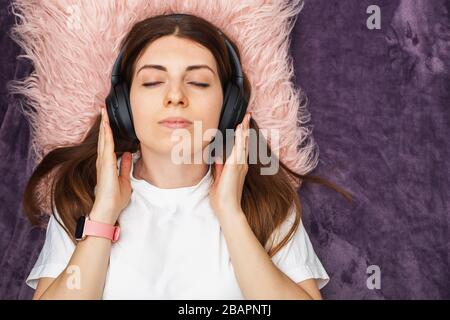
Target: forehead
<point>175,54</point>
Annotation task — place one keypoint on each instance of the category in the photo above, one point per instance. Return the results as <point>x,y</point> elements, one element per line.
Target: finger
<point>243,142</point>
<point>247,144</point>
<point>247,137</point>
<point>105,116</point>
<point>219,169</point>
<point>101,135</point>
<point>125,166</point>
<point>109,142</point>
<point>109,137</point>
<point>237,149</point>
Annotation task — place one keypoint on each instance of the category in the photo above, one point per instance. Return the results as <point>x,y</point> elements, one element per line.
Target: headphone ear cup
<point>124,114</point>
<point>224,118</point>
<point>120,118</point>
<point>111,105</point>
<point>234,108</point>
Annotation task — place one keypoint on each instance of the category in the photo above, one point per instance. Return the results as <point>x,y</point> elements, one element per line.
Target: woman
<point>189,230</point>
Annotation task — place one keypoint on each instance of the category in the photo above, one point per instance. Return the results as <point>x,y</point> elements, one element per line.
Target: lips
<point>175,122</point>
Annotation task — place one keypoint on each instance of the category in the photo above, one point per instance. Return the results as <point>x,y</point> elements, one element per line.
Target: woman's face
<point>194,94</point>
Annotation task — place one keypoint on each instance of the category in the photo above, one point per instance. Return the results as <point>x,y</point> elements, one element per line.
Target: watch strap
<point>99,229</point>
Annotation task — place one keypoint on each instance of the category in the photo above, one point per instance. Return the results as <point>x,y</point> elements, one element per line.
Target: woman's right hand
<point>112,192</point>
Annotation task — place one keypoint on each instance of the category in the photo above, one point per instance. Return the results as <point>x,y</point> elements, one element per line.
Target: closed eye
<point>150,84</point>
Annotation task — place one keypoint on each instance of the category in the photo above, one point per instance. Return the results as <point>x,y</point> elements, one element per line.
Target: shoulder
<point>297,258</point>
<point>55,253</point>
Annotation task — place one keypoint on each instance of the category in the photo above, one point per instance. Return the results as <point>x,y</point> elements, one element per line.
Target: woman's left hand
<point>226,192</point>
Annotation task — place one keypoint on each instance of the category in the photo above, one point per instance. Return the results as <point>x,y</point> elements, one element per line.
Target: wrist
<point>103,216</point>
<point>88,227</point>
<point>230,216</point>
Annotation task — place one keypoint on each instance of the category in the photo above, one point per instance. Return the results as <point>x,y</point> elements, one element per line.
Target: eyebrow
<point>162,68</point>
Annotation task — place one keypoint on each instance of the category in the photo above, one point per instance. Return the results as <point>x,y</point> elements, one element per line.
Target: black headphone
<point>119,109</point>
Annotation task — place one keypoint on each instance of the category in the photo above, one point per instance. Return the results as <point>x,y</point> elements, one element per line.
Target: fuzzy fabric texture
<point>73,45</point>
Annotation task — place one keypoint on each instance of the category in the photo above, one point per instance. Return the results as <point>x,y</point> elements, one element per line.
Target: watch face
<point>80,228</point>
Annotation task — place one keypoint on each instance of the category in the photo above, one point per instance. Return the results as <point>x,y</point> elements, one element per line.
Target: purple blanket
<point>380,107</point>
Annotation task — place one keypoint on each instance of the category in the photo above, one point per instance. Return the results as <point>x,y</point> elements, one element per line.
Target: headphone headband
<point>115,75</point>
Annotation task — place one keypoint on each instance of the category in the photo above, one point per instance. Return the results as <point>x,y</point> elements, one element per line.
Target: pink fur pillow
<point>73,45</point>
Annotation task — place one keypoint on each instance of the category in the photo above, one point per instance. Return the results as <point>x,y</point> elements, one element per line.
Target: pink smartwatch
<point>86,227</point>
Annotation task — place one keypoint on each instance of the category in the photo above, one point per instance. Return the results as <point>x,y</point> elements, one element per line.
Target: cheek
<point>211,116</point>
<point>143,115</point>
<point>138,100</point>
<point>210,123</point>
<point>211,120</point>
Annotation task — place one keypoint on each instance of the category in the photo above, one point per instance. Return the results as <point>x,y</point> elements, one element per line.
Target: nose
<point>175,98</point>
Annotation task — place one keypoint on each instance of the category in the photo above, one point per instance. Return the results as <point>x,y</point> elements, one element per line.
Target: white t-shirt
<point>171,246</point>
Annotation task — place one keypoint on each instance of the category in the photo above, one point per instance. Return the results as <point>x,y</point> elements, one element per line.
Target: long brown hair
<point>266,200</point>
